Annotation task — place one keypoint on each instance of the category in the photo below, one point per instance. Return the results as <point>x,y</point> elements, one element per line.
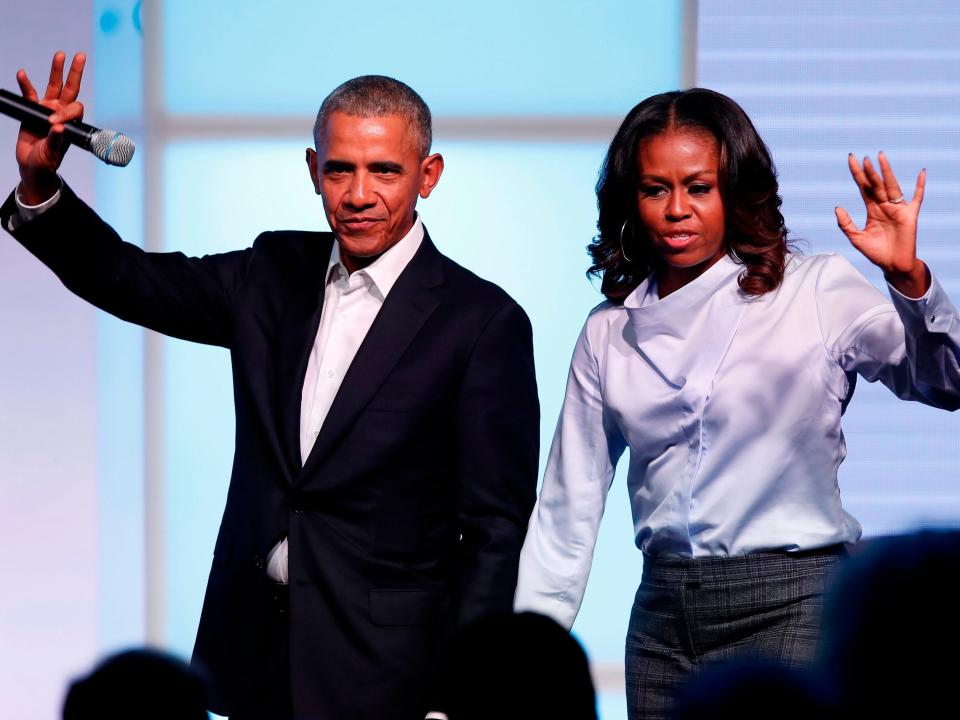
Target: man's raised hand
<point>39,156</point>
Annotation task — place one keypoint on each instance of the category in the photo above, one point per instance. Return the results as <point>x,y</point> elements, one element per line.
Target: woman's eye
<point>699,189</point>
<point>653,190</point>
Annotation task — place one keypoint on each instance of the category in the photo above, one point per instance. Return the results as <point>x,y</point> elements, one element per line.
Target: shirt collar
<point>385,270</point>
<point>645,298</point>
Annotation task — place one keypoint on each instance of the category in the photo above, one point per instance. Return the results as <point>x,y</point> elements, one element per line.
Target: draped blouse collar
<point>687,333</point>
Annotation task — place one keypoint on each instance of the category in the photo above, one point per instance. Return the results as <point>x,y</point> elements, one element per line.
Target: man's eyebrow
<point>385,166</point>
<point>331,165</point>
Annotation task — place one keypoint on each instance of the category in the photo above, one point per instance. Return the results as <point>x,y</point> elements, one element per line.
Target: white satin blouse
<point>731,408</point>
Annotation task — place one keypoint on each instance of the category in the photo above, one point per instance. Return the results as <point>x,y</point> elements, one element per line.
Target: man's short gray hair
<point>378,96</point>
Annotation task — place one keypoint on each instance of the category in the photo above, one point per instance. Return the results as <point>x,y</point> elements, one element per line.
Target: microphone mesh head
<point>112,147</point>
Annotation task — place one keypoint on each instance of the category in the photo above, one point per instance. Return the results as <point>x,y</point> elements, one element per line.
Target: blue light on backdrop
<point>499,57</point>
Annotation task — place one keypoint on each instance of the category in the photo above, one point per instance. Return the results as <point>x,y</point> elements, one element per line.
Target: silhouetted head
<point>523,665</point>
<point>748,690</point>
<point>891,626</point>
<point>142,684</point>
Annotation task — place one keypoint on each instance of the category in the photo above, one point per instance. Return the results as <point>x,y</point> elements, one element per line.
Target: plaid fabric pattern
<point>690,612</point>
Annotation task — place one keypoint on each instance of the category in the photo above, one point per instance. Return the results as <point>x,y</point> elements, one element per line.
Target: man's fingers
<point>890,184</point>
<point>26,87</point>
<point>55,141</point>
<point>921,186</point>
<point>72,88</point>
<point>73,111</point>
<point>55,83</point>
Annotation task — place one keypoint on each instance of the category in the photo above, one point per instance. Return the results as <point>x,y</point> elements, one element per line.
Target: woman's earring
<point>623,229</point>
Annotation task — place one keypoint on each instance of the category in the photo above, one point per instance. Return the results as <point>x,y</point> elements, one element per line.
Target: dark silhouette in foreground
<point>751,689</point>
<point>145,684</point>
<point>891,626</point>
<point>517,666</point>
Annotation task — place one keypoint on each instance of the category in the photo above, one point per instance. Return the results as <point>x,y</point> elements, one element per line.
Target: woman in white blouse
<point>724,361</point>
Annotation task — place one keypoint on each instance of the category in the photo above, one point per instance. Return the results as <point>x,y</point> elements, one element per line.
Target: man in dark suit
<point>386,408</point>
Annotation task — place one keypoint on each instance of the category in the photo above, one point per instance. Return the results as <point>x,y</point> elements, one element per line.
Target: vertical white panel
<point>121,601</point>
<point>47,418</point>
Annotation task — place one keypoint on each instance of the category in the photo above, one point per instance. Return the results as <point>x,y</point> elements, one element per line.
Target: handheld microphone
<point>110,146</point>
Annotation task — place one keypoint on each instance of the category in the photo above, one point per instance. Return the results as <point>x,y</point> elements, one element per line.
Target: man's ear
<point>431,168</point>
<point>314,171</point>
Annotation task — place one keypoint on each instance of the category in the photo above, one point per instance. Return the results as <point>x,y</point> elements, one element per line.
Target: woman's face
<point>679,203</point>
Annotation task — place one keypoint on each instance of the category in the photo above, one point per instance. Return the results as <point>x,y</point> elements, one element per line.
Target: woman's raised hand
<point>889,237</point>
<point>39,156</point>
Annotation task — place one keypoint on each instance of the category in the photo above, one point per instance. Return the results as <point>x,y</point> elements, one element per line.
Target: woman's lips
<point>678,239</point>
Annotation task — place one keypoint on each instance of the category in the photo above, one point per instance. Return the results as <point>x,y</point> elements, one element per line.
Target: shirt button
<point>330,373</point>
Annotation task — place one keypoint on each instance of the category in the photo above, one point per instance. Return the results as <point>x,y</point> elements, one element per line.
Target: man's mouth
<point>359,224</point>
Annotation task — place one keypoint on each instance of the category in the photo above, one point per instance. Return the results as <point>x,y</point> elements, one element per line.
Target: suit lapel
<point>410,302</point>
<point>299,325</point>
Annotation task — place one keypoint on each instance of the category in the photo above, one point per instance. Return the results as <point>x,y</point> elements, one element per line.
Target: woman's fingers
<point>877,189</point>
<point>918,190</point>
<point>55,83</point>
<point>859,177</point>
<point>882,189</point>
<point>890,184</point>
<point>846,223</point>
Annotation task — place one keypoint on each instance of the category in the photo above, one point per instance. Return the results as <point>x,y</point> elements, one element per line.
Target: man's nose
<point>360,193</point>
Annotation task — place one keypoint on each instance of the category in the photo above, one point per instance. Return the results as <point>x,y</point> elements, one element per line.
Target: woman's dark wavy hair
<point>755,231</point>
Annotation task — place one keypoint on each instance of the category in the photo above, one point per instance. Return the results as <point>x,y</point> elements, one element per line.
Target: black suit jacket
<point>408,516</point>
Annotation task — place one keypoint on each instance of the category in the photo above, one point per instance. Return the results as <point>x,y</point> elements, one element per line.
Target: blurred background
<point>115,444</point>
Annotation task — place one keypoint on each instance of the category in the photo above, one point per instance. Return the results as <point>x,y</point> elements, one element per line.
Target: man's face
<point>369,173</point>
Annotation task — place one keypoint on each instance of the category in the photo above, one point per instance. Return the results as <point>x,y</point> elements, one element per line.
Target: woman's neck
<point>671,278</point>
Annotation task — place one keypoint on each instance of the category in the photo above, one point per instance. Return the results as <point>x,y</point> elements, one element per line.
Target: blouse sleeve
<point>910,345</point>
<point>558,550</point>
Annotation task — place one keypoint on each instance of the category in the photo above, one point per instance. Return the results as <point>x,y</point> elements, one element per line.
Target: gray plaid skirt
<point>689,613</point>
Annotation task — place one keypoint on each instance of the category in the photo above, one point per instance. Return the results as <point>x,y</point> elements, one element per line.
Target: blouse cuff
<point>931,313</point>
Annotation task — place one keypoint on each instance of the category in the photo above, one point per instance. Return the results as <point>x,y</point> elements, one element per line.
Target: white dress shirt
<point>350,305</point>
<point>731,408</point>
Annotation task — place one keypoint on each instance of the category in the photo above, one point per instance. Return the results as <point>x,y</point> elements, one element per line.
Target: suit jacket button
<point>258,561</point>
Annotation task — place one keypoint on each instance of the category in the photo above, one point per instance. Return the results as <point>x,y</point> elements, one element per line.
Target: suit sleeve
<point>498,415</point>
<point>188,298</point>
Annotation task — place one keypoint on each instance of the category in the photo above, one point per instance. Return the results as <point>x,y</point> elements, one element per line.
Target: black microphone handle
<point>34,116</point>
